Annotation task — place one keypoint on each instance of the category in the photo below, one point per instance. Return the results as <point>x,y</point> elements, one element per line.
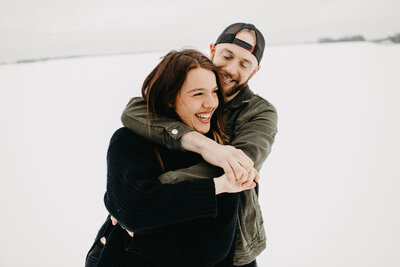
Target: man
<point>250,120</point>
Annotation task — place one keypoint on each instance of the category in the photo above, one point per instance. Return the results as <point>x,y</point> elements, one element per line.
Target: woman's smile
<point>198,99</point>
<point>204,117</point>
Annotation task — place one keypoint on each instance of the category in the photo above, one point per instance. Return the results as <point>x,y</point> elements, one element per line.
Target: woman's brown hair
<point>162,85</point>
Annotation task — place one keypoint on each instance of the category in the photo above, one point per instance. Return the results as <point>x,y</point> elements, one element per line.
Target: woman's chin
<point>202,130</point>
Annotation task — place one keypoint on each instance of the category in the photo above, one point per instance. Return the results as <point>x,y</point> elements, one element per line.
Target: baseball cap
<point>229,36</point>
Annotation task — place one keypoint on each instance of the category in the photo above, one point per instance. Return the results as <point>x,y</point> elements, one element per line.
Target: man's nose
<point>230,68</point>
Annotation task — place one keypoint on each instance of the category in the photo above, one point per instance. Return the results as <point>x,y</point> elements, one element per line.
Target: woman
<point>185,224</point>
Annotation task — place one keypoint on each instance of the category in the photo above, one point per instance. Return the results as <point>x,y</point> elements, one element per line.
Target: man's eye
<point>245,66</point>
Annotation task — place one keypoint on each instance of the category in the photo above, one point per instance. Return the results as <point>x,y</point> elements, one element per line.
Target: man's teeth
<point>227,79</point>
<point>204,117</point>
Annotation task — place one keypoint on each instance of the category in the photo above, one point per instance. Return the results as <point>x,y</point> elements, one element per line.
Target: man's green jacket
<point>252,123</point>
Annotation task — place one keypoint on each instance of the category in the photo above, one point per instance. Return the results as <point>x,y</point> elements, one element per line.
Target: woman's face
<point>197,99</point>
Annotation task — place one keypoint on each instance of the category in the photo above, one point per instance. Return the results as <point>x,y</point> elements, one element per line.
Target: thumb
<point>113,221</point>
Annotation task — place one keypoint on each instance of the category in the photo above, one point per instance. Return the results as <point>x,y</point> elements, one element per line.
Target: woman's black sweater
<point>182,224</point>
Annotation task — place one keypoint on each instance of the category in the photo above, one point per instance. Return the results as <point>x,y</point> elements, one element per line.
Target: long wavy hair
<point>162,85</point>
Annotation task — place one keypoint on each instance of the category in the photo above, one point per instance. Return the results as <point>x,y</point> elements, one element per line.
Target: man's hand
<point>236,164</point>
<point>114,222</point>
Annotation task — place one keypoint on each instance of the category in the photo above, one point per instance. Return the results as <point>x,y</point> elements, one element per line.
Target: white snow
<point>328,190</point>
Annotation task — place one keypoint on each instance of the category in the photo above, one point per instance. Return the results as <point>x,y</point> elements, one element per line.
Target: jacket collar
<point>241,98</point>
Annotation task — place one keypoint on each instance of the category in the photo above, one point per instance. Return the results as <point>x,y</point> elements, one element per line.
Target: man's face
<point>236,64</point>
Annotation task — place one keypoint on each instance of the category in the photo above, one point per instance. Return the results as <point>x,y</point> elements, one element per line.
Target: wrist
<point>207,145</point>
<point>196,142</point>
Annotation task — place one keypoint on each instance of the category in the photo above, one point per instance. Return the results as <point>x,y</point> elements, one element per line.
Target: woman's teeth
<point>203,117</point>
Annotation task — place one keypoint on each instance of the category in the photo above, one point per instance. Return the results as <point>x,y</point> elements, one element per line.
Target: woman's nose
<point>211,101</point>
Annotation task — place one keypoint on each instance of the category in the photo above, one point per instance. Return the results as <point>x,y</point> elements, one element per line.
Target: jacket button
<point>174,131</point>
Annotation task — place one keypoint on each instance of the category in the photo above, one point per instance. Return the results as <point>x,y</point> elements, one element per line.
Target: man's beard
<point>236,87</point>
<point>230,92</point>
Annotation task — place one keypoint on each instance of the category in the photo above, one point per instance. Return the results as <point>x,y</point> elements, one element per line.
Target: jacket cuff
<point>176,131</point>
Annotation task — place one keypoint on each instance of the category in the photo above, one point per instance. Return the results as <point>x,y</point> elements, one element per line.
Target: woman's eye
<point>197,94</point>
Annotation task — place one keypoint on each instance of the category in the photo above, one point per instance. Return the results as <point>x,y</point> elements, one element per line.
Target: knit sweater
<point>182,224</point>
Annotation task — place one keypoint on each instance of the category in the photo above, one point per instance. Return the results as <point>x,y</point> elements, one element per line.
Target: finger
<point>113,221</point>
<point>248,166</point>
<point>257,178</point>
<point>238,170</point>
<point>246,159</point>
<point>251,186</point>
<point>250,179</point>
<point>129,232</point>
<point>245,176</point>
<point>253,176</point>
<point>103,240</point>
<point>249,170</point>
<point>229,173</point>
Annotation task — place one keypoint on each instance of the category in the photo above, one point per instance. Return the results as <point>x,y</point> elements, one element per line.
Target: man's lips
<point>227,79</point>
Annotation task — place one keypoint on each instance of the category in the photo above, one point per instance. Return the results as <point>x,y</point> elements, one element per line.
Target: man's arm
<point>162,130</point>
<point>254,134</point>
<point>176,135</point>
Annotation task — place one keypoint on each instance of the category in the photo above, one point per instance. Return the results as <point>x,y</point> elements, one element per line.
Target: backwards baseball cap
<point>229,36</point>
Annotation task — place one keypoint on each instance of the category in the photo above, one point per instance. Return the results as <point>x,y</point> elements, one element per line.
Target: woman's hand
<point>114,222</point>
<point>223,185</point>
<point>236,164</point>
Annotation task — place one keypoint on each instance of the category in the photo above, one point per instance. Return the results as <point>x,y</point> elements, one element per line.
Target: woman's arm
<point>137,199</point>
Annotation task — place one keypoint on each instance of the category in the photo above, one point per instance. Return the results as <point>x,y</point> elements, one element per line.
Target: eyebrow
<point>230,52</point>
<point>197,89</point>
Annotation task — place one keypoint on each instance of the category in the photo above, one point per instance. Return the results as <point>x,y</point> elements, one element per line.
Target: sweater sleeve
<point>137,199</point>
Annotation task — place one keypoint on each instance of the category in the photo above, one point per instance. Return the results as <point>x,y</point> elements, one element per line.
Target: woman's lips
<point>204,117</point>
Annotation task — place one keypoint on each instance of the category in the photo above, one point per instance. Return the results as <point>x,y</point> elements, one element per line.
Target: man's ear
<point>212,50</point>
<point>255,71</point>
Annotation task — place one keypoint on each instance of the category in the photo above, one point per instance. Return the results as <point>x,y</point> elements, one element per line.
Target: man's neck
<point>229,98</point>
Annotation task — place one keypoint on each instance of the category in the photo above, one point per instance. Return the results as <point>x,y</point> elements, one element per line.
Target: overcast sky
<point>40,25</point>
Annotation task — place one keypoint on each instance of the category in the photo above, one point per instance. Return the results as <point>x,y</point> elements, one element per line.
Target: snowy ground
<point>328,190</point>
